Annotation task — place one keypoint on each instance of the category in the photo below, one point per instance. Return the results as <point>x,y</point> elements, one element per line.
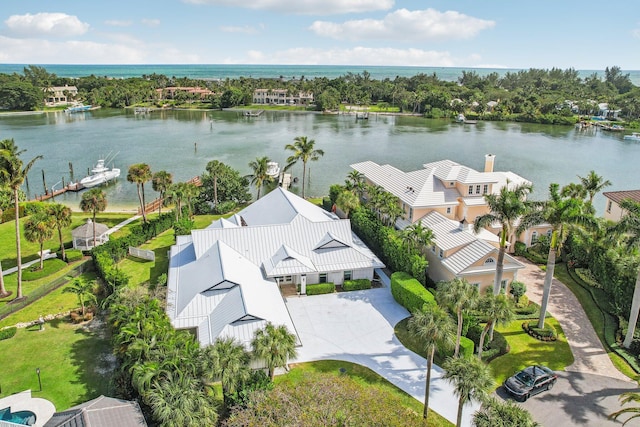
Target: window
<point>433,248</point>
<point>441,253</point>
<point>411,214</point>
<point>485,189</point>
<point>348,274</point>
<point>449,210</point>
<point>478,189</point>
<point>489,261</point>
<point>549,232</point>
<point>609,205</point>
<point>470,189</point>
<point>322,278</point>
<point>503,286</point>
<point>534,237</point>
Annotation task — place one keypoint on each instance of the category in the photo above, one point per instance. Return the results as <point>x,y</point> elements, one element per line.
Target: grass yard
<point>367,378</point>
<point>72,363</point>
<point>143,271</point>
<point>526,351</point>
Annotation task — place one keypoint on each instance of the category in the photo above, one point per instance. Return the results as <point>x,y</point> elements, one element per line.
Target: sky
<point>583,34</point>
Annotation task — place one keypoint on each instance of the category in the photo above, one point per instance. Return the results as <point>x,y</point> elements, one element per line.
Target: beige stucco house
<point>612,210</point>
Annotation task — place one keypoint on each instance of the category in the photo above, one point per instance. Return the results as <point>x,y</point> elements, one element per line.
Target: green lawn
<point>142,271</point>
<point>526,351</point>
<point>367,378</point>
<point>69,358</point>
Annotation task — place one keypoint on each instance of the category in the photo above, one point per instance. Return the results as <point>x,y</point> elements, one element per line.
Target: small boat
<point>462,119</point>
<point>273,169</point>
<point>635,136</point>
<point>362,116</point>
<point>77,108</point>
<point>100,174</point>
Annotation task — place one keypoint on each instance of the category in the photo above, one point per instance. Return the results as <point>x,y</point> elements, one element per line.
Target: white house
<point>224,280</point>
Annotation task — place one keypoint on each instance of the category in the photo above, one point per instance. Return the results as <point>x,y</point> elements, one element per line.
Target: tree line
<point>534,95</point>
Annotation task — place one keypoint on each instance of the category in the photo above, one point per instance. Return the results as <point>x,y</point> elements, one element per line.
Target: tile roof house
<point>613,211</point>
<point>100,412</point>
<point>225,280</point>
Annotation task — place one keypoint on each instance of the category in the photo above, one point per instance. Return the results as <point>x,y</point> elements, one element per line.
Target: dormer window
<point>485,189</point>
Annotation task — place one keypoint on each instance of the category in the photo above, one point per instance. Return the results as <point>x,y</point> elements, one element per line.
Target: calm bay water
<point>167,140</point>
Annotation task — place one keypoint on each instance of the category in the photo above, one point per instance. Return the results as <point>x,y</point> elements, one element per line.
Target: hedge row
<point>587,277</point>
<point>7,333</point>
<point>548,333</point>
<point>356,285</point>
<point>409,293</point>
<point>467,347</point>
<point>73,255</point>
<point>321,288</point>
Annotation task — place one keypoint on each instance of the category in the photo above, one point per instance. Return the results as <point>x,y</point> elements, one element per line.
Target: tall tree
<point>634,411</point>
<point>629,228</point>
<point>561,213</point>
<point>347,202</point>
<point>216,169</point>
<point>83,289</point>
<point>160,181</point>
<point>435,330</point>
<point>177,194</point>
<point>13,172</point>
<point>498,310</point>
<point>417,236</point>
<point>498,413</point>
<point>259,175</point>
<point>461,296</point>
<point>593,184</point>
<point>138,174</point>
<point>505,209</point>
<point>61,216</point>
<point>230,363</point>
<point>93,201</point>
<point>274,345</point>
<point>303,150</point>
<point>38,228</point>
<point>471,379</point>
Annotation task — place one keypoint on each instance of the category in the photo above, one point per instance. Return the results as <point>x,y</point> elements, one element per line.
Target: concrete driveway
<point>358,327</point>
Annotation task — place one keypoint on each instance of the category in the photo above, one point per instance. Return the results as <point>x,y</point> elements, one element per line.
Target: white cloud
<point>117,23</point>
<point>353,56</point>
<point>305,7</point>
<point>636,33</point>
<point>241,30</point>
<point>150,22</point>
<point>50,24</point>
<point>405,25</point>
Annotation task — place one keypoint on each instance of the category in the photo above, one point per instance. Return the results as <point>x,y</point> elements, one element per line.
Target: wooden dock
<point>51,194</point>
<point>155,204</point>
<point>285,180</point>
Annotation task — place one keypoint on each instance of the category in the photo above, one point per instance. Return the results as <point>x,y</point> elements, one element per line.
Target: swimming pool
<point>25,418</point>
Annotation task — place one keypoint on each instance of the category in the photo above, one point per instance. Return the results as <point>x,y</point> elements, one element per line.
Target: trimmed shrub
<point>548,333</point>
<point>520,249</point>
<point>50,266</point>
<point>409,293</point>
<point>587,277</point>
<point>7,333</point>
<point>321,288</point>
<point>225,207</point>
<point>73,255</point>
<point>467,347</point>
<point>356,285</point>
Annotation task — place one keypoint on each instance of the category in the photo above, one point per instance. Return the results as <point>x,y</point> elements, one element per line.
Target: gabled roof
<point>100,412</point>
<point>461,262</point>
<point>281,207</point>
<point>286,262</point>
<point>619,196</point>
<point>224,223</point>
<point>448,234</point>
<point>85,231</point>
<point>330,241</point>
<point>447,171</point>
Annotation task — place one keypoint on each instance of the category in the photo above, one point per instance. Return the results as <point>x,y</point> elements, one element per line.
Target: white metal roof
<point>462,261</point>
<point>448,234</point>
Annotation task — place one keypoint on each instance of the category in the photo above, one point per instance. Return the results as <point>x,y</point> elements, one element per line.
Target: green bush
<point>321,288</point>
<point>50,266</point>
<point>409,293</point>
<point>7,333</point>
<point>520,249</point>
<point>356,285</point>
<point>467,347</point>
<point>225,207</point>
<point>587,277</point>
<point>548,333</point>
<point>73,255</point>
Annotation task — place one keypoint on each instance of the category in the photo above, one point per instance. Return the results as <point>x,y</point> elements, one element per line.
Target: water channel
<point>182,142</point>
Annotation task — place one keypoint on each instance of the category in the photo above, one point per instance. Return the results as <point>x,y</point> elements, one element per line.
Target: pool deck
<point>23,401</point>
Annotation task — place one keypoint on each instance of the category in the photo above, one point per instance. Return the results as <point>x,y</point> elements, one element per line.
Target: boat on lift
<point>273,169</point>
<point>100,174</point>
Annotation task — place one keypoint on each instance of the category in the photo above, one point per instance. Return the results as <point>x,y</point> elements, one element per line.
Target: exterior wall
<point>281,97</point>
<point>436,270</point>
<point>485,280</point>
<point>613,211</point>
<point>475,211</point>
<point>337,277</point>
<point>526,237</point>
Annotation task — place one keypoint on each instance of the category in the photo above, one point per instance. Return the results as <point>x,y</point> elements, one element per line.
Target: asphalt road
<point>578,399</point>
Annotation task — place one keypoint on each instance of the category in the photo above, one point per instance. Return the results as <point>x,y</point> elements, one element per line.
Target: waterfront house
<point>225,280</point>
<point>613,211</point>
<point>281,97</point>
<point>60,95</point>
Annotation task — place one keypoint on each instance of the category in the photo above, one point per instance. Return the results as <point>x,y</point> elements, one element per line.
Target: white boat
<point>273,169</point>
<point>635,136</point>
<point>100,174</point>
<point>77,108</point>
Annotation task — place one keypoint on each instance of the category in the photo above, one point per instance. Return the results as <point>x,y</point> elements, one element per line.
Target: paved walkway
<point>358,327</point>
<point>47,255</point>
<point>122,224</point>
<point>588,352</point>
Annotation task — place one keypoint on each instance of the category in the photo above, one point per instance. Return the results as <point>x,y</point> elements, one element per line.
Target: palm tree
<point>160,181</point>
<point>93,201</point>
<point>229,362</point>
<point>191,191</point>
<point>505,208</point>
<point>628,397</point>
<point>629,227</point>
<point>38,228</point>
<point>593,184</point>
<point>573,190</point>
<point>461,296</point>
<point>302,150</point>
<point>138,174</point>
<point>13,172</point>
<point>215,168</point>
<point>61,216</point>
<point>259,175</point>
<point>498,310</point>
<point>274,345</point>
<point>84,291</point>
<point>471,378</point>
<point>417,236</point>
<point>434,328</point>
<point>355,183</point>
<point>177,193</point>
<point>347,202</point>
<point>497,413</point>
<point>561,213</point>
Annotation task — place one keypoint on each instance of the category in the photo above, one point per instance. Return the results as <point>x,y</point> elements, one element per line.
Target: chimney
<point>488,162</point>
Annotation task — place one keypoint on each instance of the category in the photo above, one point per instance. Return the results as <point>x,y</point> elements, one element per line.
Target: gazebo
<point>83,235</point>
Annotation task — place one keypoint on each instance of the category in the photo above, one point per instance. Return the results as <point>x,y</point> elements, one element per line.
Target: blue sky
<point>585,34</point>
